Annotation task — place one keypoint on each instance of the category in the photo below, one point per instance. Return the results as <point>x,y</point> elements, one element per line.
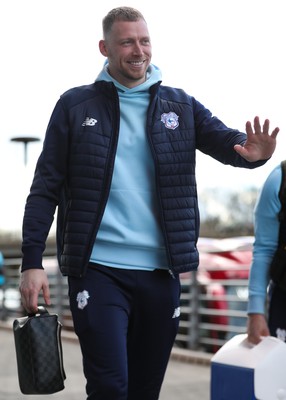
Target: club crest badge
<point>171,120</point>
<point>81,299</point>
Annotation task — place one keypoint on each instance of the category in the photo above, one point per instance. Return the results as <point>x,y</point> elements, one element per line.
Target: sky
<point>228,54</point>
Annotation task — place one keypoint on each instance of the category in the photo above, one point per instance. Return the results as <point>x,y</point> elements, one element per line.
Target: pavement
<point>187,376</point>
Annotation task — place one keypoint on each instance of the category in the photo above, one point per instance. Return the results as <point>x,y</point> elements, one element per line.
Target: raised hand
<point>260,145</point>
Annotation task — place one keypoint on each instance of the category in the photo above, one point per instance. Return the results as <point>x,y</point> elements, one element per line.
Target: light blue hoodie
<point>130,236</point>
<point>266,229</point>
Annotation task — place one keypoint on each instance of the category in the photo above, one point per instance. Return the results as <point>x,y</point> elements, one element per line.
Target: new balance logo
<point>177,312</point>
<point>89,122</point>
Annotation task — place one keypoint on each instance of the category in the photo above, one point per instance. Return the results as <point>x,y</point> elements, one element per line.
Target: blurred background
<point>227,54</point>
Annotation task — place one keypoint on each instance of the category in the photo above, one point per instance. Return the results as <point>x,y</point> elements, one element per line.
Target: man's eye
<point>145,41</point>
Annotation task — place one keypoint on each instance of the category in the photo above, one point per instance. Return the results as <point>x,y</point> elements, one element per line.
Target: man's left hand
<point>259,145</point>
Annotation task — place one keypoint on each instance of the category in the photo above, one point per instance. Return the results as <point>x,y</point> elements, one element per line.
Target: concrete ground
<point>187,377</point>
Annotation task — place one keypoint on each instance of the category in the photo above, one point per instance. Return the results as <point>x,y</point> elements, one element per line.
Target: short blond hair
<point>119,14</point>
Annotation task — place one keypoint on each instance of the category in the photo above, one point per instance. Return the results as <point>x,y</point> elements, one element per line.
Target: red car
<point>222,278</point>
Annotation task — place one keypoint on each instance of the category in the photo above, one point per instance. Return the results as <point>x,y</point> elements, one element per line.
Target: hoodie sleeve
<point>45,190</point>
<point>217,140</point>
<point>266,230</point>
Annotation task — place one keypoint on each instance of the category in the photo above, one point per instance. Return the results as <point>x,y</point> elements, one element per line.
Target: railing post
<point>60,291</point>
<point>193,333</point>
<point>3,309</point>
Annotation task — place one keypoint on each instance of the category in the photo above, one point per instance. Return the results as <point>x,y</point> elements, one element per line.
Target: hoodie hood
<point>153,75</point>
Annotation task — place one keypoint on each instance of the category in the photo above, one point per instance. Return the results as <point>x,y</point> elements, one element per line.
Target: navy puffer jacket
<point>74,172</point>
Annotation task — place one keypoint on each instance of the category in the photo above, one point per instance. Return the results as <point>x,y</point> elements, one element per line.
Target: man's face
<point>129,52</point>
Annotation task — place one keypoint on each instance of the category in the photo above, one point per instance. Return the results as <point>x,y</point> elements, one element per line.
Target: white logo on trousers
<point>81,299</point>
<point>177,312</point>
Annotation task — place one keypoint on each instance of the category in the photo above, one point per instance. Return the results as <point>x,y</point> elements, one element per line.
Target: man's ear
<point>102,47</point>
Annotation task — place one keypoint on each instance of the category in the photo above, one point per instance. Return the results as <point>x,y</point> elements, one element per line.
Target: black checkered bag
<point>39,353</point>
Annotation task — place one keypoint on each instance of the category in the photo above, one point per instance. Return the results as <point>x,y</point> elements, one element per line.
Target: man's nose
<point>138,49</point>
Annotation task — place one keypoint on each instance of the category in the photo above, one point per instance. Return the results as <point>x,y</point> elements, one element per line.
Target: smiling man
<point>118,161</point>
<point>128,48</point>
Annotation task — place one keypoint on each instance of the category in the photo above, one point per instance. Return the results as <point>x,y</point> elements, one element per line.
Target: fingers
<point>256,328</point>
<point>239,149</point>
<point>257,129</point>
<point>31,283</point>
<point>248,128</point>
<point>254,339</point>
<point>275,133</point>
<point>266,126</point>
<point>257,126</point>
<point>29,300</point>
<point>46,295</point>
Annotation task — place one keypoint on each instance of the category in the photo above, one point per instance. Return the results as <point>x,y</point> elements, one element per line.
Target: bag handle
<point>41,311</point>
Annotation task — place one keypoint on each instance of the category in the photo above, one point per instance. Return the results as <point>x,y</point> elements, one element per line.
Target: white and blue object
<point>242,371</point>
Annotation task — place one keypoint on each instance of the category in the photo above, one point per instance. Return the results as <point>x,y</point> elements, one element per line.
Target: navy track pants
<point>277,312</point>
<point>126,322</point>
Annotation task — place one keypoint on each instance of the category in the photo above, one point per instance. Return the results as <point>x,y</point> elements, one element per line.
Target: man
<point>119,162</point>
<point>263,320</point>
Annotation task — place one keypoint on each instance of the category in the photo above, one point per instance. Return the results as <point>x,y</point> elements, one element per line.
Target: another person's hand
<point>31,283</point>
<point>260,145</point>
<point>256,328</point>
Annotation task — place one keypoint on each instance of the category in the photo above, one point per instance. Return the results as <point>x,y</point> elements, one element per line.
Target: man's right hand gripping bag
<point>39,353</point>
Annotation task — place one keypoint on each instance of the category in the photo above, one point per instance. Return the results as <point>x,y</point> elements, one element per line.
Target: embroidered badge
<point>170,120</point>
<point>81,299</point>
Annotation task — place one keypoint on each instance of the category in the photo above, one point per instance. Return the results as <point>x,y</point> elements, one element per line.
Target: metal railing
<point>211,312</point>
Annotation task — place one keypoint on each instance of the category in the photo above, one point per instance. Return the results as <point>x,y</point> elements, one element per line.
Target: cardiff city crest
<point>81,299</point>
<point>171,120</point>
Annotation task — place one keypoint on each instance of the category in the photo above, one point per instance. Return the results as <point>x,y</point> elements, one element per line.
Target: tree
<point>227,213</point>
